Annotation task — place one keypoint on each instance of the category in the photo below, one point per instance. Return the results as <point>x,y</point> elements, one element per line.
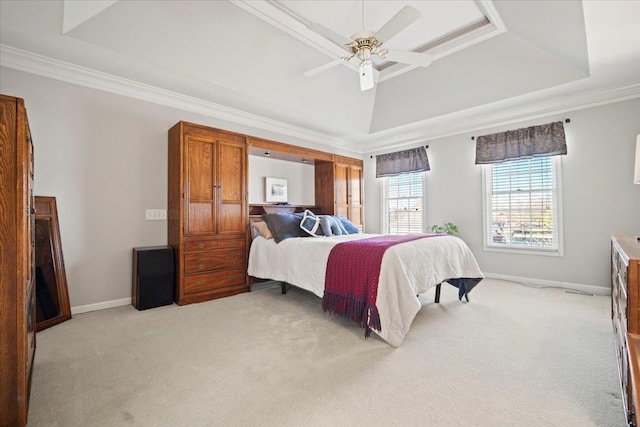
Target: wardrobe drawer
<point>207,245</point>
<point>200,262</point>
<point>215,280</point>
<point>231,243</point>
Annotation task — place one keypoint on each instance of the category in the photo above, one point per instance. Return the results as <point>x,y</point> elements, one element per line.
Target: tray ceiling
<point>252,56</point>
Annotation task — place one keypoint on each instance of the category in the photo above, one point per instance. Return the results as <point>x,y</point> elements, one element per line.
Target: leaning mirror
<point>52,297</point>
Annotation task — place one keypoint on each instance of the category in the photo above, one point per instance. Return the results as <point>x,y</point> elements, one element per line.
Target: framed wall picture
<point>276,190</point>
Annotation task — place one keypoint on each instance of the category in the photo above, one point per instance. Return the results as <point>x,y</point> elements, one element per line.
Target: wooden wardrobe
<point>17,290</point>
<point>207,215</point>
<point>339,188</point>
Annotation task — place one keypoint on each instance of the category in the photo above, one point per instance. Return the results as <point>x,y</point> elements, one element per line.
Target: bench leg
<point>437,300</point>
<point>283,286</point>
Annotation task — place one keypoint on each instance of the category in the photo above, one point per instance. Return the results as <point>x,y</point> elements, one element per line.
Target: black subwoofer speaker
<point>153,277</point>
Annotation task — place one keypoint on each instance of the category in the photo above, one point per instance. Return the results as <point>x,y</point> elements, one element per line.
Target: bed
<point>407,270</point>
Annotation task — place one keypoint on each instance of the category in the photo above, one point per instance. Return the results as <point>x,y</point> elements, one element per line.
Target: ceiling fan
<point>365,43</point>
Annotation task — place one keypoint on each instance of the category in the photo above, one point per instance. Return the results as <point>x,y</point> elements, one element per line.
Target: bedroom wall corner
<point>599,198</point>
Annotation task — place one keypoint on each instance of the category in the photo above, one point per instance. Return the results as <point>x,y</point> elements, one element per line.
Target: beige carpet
<point>513,356</point>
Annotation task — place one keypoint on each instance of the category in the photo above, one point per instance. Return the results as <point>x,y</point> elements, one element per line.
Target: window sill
<point>523,251</point>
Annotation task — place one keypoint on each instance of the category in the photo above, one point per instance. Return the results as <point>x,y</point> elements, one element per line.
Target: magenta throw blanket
<point>351,280</point>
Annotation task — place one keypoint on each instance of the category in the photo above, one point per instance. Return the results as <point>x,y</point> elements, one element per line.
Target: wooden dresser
<point>17,290</point>
<point>207,215</point>
<point>625,311</point>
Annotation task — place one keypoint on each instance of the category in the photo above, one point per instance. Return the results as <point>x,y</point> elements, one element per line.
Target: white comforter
<point>408,269</point>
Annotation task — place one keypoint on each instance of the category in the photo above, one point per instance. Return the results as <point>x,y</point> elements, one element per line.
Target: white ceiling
<point>495,60</point>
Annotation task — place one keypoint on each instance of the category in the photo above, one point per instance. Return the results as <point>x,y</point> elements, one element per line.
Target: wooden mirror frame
<point>46,209</point>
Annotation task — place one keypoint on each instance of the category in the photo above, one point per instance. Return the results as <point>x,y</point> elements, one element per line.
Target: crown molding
<point>491,26</point>
<point>400,137</point>
<point>290,24</point>
<point>451,125</point>
<point>44,66</point>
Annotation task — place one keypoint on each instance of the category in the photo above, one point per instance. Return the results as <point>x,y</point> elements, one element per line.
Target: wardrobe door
<point>17,291</point>
<point>356,210</point>
<point>342,190</point>
<point>200,197</point>
<point>231,188</point>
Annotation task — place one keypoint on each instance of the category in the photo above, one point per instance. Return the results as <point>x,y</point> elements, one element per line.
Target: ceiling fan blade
<point>407,57</point>
<point>399,22</point>
<point>330,35</point>
<point>324,67</point>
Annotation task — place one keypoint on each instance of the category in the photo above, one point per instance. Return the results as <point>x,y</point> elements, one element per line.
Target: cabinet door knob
<point>201,245</point>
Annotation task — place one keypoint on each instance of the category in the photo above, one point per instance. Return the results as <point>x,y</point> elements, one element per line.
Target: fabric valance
<point>535,141</point>
<point>406,161</point>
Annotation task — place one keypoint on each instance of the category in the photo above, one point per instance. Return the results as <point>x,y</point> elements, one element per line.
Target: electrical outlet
<point>155,214</point>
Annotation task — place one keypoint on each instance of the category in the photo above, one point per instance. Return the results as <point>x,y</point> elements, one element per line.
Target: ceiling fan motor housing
<point>363,47</point>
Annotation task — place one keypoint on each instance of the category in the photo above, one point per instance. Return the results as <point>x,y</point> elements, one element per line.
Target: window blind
<point>522,204</point>
<point>403,203</point>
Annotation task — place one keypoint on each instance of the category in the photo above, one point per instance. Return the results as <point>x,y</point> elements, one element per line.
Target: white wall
<point>104,158</point>
<point>599,198</point>
<point>300,179</point>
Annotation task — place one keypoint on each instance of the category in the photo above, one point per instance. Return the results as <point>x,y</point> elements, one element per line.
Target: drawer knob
<point>201,245</point>
<point>231,277</point>
<point>201,282</point>
<point>201,266</point>
<point>201,257</point>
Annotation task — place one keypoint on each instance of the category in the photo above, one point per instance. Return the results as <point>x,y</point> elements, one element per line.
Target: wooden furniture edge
<point>633,343</point>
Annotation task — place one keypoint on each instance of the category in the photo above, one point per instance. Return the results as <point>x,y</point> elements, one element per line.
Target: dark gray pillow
<point>284,225</point>
<point>348,225</point>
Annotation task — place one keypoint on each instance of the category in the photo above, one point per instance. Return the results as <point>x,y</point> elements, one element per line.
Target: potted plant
<point>446,227</point>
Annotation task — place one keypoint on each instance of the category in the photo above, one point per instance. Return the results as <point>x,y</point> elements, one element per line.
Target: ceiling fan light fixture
<point>366,75</point>
<point>364,54</point>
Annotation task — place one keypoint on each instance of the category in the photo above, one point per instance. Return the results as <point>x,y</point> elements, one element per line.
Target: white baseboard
<point>596,290</point>
<point>100,305</point>
<point>590,289</point>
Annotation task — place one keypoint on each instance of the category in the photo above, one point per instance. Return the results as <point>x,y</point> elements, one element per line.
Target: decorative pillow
<point>331,226</point>
<point>253,230</point>
<point>284,225</point>
<point>349,227</point>
<point>311,224</point>
<point>262,229</point>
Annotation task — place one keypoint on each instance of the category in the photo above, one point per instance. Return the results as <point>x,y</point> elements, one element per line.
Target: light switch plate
<point>155,214</point>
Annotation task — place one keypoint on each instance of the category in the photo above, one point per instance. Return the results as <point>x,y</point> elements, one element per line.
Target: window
<point>403,203</point>
<point>522,206</point>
